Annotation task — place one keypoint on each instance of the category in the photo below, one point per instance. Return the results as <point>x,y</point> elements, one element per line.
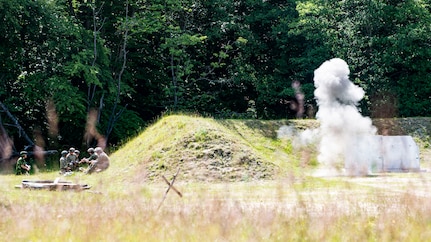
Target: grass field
<point>391,207</point>
<point>125,203</point>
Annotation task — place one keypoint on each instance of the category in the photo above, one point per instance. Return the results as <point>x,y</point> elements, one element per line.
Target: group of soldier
<point>97,161</point>
<point>69,162</point>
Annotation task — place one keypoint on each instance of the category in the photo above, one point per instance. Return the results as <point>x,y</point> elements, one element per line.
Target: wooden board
<point>54,185</point>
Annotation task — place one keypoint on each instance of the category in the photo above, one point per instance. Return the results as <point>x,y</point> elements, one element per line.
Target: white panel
<point>400,153</point>
<point>368,154</point>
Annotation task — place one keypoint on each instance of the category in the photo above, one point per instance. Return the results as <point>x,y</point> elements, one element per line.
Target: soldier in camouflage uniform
<point>90,159</point>
<point>63,162</point>
<point>101,163</point>
<point>76,163</point>
<point>22,167</point>
<point>71,159</point>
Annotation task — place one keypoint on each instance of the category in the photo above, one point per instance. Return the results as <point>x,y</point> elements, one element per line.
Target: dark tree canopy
<point>122,63</point>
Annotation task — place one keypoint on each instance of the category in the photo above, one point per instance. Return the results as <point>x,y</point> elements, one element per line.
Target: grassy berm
<point>211,150</point>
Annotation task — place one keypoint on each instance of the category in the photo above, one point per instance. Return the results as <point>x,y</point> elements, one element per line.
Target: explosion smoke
<point>342,127</point>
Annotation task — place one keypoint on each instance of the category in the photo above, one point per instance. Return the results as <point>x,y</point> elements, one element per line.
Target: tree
<point>36,46</point>
<point>106,85</point>
<point>385,44</point>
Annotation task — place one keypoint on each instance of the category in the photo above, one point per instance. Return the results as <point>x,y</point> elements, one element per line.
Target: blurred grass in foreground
<point>295,209</point>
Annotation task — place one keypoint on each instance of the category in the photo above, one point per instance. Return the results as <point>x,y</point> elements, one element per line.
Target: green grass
<point>296,209</point>
<point>123,202</point>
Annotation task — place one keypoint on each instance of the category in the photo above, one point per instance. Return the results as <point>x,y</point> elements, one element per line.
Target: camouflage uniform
<point>63,161</point>
<point>19,170</point>
<point>101,164</point>
<point>91,159</point>
<point>71,159</point>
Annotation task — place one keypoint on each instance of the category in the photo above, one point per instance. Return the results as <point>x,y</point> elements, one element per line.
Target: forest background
<point>73,70</point>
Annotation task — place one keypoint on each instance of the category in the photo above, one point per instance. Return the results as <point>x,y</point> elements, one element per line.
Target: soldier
<point>101,164</point>
<point>22,166</point>
<point>76,164</point>
<point>91,158</point>
<point>63,162</point>
<point>71,159</point>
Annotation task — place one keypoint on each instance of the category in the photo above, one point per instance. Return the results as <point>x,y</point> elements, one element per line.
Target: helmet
<point>90,150</point>
<point>72,149</point>
<point>98,149</point>
<point>23,153</point>
<point>64,152</point>
<point>77,152</point>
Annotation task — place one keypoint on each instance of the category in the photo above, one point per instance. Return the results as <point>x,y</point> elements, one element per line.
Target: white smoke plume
<point>342,127</point>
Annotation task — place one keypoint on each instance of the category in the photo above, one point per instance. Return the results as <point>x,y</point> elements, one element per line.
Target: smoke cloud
<point>342,127</point>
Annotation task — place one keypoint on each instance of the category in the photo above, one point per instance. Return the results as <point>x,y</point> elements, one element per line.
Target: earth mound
<point>209,150</point>
<point>203,149</point>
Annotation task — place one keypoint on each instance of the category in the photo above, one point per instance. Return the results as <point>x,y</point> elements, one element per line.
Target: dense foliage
<point>131,60</point>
